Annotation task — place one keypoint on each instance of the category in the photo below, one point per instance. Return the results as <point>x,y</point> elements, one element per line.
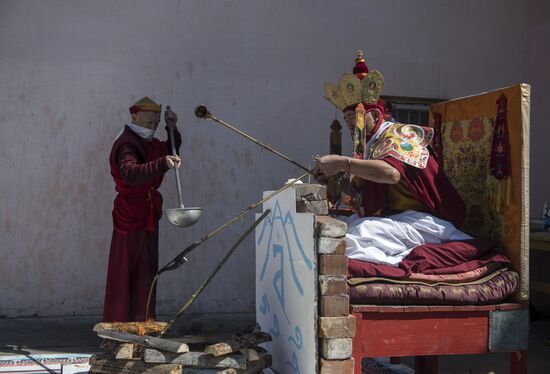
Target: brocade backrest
<point>483,142</point>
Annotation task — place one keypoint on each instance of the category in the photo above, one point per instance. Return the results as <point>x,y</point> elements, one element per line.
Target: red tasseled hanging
<point>499,165</point>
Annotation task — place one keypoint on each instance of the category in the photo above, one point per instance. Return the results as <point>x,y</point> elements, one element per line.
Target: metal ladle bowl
<point>182,216</point>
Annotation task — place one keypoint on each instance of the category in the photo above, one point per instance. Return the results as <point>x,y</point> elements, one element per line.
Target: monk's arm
<point>132,171</point>
<point>372,170</point>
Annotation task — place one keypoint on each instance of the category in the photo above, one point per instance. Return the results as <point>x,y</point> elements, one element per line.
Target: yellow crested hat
<point>145,104</point>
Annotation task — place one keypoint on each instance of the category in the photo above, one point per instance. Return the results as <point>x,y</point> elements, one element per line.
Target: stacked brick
<point>336,326</point>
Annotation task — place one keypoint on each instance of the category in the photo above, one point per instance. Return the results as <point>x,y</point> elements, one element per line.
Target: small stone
<point>336,349</point>
<point>310,192</point>
<point>333,285</point>
<point>333,264</point>
<point>336,366</point>
<point>319,207</point>
<point>331,246</point>
<point>337,327</point>
<point>329,227</point>
<point>334,306</point>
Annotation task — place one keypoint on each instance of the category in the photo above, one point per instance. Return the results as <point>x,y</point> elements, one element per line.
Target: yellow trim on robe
<point>399,199</point>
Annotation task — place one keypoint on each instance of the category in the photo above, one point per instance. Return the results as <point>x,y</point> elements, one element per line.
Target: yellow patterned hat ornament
<point>352,89</point>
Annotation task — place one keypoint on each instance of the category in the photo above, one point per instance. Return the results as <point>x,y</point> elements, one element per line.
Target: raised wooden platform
<point>428,331</point>
<point>434,308</point>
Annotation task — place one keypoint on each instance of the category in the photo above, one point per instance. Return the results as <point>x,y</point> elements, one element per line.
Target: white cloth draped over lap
<point>388,240</point>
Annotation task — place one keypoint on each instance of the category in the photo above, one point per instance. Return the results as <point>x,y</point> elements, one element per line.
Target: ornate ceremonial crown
<point>361,87</point>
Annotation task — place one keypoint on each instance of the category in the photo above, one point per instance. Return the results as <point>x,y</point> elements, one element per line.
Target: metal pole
<point>202,112</point>
<point>214,272</point>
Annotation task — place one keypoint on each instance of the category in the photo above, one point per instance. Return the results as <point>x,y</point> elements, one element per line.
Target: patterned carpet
<point>45,363</point>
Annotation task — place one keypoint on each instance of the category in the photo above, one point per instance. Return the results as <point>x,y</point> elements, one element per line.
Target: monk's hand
<point>320,177</point>
<point>173,161</point>
<point>329,165</point>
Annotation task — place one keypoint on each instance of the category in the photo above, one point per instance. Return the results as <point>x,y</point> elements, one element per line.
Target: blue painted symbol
<point>274,331</point>
<point>298,342</point>
<point>264,306</point>
<point>294,364</point>
<point>279,279</point>
<point>287,223</point>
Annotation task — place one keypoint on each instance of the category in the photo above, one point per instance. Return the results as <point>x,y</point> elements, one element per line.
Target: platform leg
<point>425,364</point>
<point>356,351</point>
<point>518,362</point>
<point>357,365</point>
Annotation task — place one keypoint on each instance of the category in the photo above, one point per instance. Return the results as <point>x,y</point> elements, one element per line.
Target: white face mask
<point>143,132</point>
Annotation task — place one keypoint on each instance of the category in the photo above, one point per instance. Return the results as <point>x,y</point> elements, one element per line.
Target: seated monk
<point>403,199</point>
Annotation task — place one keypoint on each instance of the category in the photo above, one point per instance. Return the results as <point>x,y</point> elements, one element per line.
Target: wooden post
<point>357,349</point>
<point>518,362</point>
<point>124,351</point>
<point>237,342</point>
<point>425,364</point>
<point>196,359</point>
<point>146,341</point>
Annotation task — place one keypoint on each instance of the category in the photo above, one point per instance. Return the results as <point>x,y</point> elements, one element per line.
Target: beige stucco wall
<point>70,69</point>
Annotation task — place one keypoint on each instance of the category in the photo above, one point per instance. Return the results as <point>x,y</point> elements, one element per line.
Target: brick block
<point>336,366</point>
<point>329,227</point>
<point>316,207</point>
<point>310,192</point>
<point>333,265</point>
<point>334,306</point>
<point>333,285</point>
<point>337,327</point>
<point>336,349</point>
<point>331,246</point>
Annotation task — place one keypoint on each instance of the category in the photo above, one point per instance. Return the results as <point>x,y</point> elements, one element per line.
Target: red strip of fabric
<point>499,165</point>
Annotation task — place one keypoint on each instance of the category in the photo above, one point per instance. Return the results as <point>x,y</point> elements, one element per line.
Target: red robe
<point>430,186</point>
<point>137,168</point>
<point>435,191</point>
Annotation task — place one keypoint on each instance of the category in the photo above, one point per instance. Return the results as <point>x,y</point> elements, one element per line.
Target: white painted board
<point>286,284</point>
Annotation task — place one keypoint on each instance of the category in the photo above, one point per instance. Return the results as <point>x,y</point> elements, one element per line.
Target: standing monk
<point>138,162</point>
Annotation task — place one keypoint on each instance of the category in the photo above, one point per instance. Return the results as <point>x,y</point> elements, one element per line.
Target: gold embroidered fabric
<point>493,210</point>
<point>466,155</point>
<point>407,143</point>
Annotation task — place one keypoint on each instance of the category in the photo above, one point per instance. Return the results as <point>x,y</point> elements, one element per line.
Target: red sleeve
<point>429,186</point>
<point>132,171</point>
<point>432,187</point>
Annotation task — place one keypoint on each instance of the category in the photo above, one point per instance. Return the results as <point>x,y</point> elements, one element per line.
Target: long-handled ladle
<point>202,111</point>
<point>182,216</point>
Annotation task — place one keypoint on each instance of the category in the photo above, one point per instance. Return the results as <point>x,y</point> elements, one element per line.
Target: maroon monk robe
<point>430,186</point>
<point>138,168</point>
<point>435,191</point>
<point>445,258</point>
